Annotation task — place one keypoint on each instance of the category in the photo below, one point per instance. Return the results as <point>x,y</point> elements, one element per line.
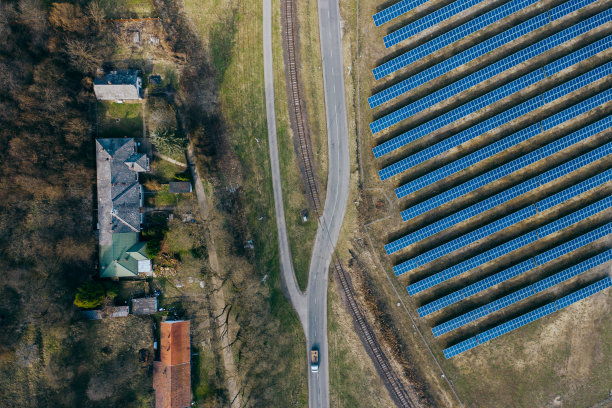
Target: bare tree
<point>83,55</point>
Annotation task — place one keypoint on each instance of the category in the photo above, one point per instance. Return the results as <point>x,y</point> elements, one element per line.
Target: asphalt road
<point>338,180</point>
<point>312,306</point>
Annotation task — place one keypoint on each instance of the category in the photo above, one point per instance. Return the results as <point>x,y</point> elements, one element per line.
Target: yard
<point>119,119</point>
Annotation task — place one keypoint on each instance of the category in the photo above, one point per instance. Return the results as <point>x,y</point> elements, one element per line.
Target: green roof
<point>121,259</point>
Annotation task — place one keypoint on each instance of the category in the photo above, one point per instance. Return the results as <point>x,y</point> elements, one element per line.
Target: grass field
<point>128,8</point>
<point>119,119</point>
<point>232,33</point>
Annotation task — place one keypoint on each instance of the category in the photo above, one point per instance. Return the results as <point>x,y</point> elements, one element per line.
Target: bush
<point>167,142</point>
<point>92,294</point>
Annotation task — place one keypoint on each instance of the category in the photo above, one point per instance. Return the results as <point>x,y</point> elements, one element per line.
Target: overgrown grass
<point>128,8</point>
<point>353,381</point>
<point>301,234</point>
<point>241,98</point>
<point>119,119</point>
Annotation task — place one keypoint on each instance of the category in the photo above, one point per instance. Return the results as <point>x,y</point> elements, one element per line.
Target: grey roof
<point>118,85</point>
<point>179,187</point>
<point>119,192</point>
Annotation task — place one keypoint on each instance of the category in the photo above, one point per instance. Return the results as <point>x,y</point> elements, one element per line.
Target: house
<point>122,85</point>
<point>144,306</point>
<point>172,374</point>
<point>120,199</point>
<point>179,187</point>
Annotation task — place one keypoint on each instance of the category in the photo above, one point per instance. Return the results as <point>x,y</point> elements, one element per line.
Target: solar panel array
<point>521,294</point>
<point>529,317</point>
<point>475,78</point>
<point>440,192</point>
<point>510,273</point>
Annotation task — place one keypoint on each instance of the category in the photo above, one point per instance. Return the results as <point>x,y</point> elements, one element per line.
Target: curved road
<point>312,306</point>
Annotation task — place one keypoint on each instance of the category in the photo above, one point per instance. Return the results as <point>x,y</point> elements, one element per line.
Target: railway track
<point>367,335</point>
<point>288,9</point>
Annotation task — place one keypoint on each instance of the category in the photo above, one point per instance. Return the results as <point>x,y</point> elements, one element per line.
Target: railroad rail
<point>391,379</point>
<point>368,337</point>
<point>295,105</point>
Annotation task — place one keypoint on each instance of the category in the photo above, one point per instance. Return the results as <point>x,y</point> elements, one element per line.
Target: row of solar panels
<point>508,193</point>
<point>518,295</point>
<point>527,317</point>
<point>499,93</point>
<point>528,238</point>
<point>490,73</point>
<point>494,68</point>
<point>514,271</point>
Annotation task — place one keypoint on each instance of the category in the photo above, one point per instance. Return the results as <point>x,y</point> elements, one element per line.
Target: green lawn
<point>119,119</point>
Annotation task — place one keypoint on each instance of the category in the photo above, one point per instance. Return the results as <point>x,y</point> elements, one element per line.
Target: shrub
<point>166,141</point>
<point>92,294</point>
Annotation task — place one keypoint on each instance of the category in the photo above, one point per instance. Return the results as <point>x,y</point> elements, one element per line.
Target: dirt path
<point>171,160</point>
<point>217,296</point>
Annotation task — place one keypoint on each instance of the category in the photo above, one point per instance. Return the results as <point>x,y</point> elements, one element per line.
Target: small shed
<point>118,311</point>
<point>179,187</point>
<point>144,306</point>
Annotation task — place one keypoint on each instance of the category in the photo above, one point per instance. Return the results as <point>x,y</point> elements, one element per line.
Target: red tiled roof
<point>172,375</point>
<point>175,343</point>
<point>172,385</point>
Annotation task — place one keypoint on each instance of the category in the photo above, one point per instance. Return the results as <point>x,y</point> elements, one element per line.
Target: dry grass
<point>311,75</point>
<point>232,32</point>
<point>353,379</point>
<point>557,361</point>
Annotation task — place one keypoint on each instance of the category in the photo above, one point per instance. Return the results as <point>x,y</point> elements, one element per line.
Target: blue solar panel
<point>584,292</point>
<point>514,271</point>
<point>427,21</point>
<point>460,347</point>
<point>480,76</point>
<point>528,317</point>
<point>458,33</point>
<point>573,271</point>
<point>517,164</point>
<point>517,296</point>
<point>405,112</point>
<point>440,303</point>
<point>581,134</point>
<point>574,190</point>
<point>459,321</point>
<point>576,163</point>
<point>494,148</point>
<point>395,10</point>
<point>500,145</point>
<point>462,137</point>
<point>475,235</point>
<point>498,278</point>
<point>500,66</point>
<point>466,265</point>
<point>575,217</point>
<point>471,80</point>
<point>516,323</point>
<point>574,244</point>
<point>460,216</point>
